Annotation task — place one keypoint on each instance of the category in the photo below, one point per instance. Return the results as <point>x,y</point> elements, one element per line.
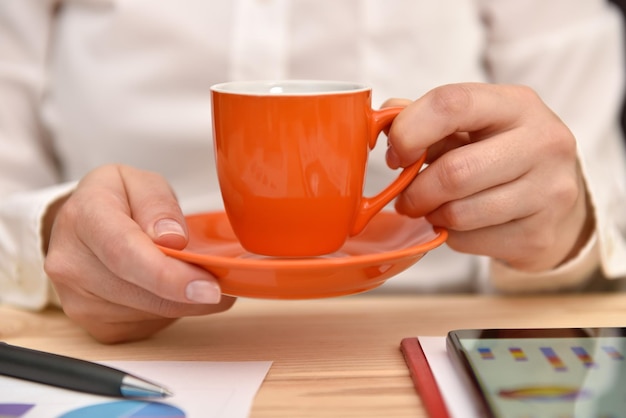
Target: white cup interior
<point>288,87</point>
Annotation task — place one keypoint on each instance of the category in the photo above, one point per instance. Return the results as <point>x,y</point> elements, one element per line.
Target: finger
<point>470,107</point>
<point>103,285</point>
<point>456,140</point>
<point>115,333</point>
<point>516,242</point>
<point>491,207</point>
<point>154,207</point>
<point>530,234</point>
<point>112,323</point>
<point>439,148</point>
<point>106,229</point>
<point>498,242</point>
<point>463,172</point>
<point>395,102</point>
<point>121,329</point>
<point>137,260</point>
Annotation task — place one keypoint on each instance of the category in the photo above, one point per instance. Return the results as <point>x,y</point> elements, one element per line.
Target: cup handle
<point>370,206</point>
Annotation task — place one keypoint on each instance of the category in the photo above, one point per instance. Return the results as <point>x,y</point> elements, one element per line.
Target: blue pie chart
<point>126,409</point>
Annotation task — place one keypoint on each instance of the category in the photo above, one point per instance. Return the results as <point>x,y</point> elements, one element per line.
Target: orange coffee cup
<point>291,160</point>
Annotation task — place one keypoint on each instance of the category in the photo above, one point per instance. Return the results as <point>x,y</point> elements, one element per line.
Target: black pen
<point>75,374</point>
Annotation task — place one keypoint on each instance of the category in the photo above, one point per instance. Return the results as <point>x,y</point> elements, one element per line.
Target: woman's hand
<point>503,175</point>
<point>103,262</point>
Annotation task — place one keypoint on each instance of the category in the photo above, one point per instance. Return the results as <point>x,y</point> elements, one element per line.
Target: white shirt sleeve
<point>28,173</point>
<point>23,282</point>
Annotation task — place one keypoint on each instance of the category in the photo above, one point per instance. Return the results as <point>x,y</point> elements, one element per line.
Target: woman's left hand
<point>502,175</point>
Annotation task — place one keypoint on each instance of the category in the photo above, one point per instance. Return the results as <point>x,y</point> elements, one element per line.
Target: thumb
<point>154,207</point>
<point>169,232</point>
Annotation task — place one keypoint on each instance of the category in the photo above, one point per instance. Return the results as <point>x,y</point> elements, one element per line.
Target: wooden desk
<point>333,357</point>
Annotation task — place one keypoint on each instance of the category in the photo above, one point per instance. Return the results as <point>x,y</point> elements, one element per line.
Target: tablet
<point>548,372</point>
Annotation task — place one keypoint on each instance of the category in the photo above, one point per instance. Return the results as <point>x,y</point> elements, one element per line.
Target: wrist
<point>48,221</point>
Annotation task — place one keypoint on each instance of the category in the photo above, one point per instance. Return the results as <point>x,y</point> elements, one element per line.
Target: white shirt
<point>89,82</point>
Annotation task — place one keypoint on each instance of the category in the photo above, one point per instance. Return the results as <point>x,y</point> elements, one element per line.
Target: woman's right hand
<point>102,260</point>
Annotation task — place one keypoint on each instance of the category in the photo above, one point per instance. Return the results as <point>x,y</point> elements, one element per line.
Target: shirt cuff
<point>568,276</point>
<point>23,282</point>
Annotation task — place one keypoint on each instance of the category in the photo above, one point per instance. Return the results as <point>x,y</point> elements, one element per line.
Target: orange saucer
<point>388,245</point>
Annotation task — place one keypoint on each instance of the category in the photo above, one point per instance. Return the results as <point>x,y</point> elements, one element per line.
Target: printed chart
<point>14,410</point>
<point>116,409</point>
<point>126,409</point>
<point>201,389</point>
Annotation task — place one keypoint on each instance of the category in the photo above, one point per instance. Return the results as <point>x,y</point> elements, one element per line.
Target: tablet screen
<point>545,373</point>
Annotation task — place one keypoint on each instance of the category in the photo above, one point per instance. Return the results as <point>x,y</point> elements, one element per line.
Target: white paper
<point>453,392</point>
<point>201,389</point>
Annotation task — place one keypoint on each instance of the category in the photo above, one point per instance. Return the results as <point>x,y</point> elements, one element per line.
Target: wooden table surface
<point>332,357</point>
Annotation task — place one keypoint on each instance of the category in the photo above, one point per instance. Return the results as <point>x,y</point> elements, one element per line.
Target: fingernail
<point>202,291</point>
<point>393,160</point>
<point>168,227</point>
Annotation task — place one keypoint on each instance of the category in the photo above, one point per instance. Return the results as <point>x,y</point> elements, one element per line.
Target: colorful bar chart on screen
<point>485,353</point>
<point>554,359</point>
<point>584,357</point>
<point>518,354</point>
<point>613,353</point>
